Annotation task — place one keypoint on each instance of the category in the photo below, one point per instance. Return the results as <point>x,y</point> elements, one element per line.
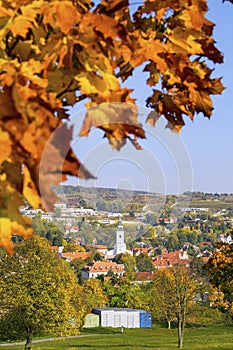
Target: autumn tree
<point>220,270</point>
<point>162,297</point>
<point>174,292</point>
<point>93,295</point>
<point>38,293</point>
<point>185,289</point>
<point>54,54</point>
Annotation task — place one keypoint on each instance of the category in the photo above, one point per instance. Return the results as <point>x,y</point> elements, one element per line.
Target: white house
<point>60,205</point>
<point>98,268</point>
<point>225,238</point>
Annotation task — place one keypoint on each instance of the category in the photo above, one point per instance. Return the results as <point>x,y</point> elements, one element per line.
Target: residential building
<point>166,259</point>
<point>140,250</point>
<point>95,269</point>
<point>225,238</point>
<point>98,247</point>
<point>142,277</point>
<point>69,256</point>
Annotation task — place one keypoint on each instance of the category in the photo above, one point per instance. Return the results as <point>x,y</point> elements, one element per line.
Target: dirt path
<point>50,339</point>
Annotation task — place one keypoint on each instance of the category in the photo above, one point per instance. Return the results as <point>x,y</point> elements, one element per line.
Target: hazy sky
<point>200,158</point>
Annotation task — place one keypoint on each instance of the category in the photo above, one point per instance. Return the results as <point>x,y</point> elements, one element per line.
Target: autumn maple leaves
<point>55,53</point>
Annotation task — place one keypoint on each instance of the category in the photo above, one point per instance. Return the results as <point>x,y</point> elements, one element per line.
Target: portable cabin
<point>106,316</point>
<point>91,320</point>
<point>118,317</point>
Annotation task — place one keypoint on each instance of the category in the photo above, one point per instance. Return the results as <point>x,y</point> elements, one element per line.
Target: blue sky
<point>199,159</point>
<point>210,142</point>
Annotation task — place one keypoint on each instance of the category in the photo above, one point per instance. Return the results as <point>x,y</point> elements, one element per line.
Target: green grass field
<point>203,338</point>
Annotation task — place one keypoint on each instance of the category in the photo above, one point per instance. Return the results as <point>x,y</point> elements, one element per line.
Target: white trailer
<point>118,317</point>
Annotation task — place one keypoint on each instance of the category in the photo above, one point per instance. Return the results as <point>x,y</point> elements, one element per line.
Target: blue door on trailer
<point>145,319</point>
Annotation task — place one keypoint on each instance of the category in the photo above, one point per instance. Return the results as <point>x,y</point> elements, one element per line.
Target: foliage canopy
<point>38,292</point>
<point>220,269</point>
<point>54,54</point>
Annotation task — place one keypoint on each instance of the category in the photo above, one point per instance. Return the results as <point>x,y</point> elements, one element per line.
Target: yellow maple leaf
<point>20,26</point>
<point>29,190</point>
<point>5,12</point>
<point>7,229</point>
<point>184,41</point>
<point>67,16</point>
<point>150,50</point>
<point>201,101</point>
<point>90,83</point>
<point>109,27</point>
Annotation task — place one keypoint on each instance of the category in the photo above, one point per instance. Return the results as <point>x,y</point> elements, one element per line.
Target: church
<point>119,246</point>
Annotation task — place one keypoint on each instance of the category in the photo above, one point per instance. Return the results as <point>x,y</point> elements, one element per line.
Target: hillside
<point>119,200</point>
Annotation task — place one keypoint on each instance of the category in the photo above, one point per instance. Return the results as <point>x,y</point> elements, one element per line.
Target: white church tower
<point>120,246</point>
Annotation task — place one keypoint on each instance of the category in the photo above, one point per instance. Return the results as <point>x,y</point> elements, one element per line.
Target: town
<point>154,240</point>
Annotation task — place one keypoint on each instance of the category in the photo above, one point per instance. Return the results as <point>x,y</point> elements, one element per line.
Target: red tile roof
<point>96,246</point>
<point>99,246</point>
<point>171,259</point>
<point>206,243</point>
<point>75,255</point>
<point>102,266</point>
<point>161,263</point>
<point>54,247</point>
<point>144,276</point>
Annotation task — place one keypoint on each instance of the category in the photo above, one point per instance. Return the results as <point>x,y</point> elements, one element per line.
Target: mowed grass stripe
<point>203,338</point>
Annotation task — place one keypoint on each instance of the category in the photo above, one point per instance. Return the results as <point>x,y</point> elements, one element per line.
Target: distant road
<point>50,339</point>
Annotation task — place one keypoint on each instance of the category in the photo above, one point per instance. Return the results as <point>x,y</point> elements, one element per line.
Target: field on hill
<point>211,204</point>
<point>196,338</point>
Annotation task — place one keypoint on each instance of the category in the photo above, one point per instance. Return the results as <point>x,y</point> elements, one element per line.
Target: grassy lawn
<point>203,338</point>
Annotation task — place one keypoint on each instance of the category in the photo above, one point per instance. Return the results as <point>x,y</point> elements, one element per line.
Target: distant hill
<point>113,199</point>
<point>120,200</point>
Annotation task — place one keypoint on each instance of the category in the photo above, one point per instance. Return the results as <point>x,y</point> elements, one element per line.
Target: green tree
<point>38,293</point>
<point>129,262</point>
<point>97,257</point>
<point>77,265</point>
<point>93,295</point>
<point>132,213</point>
<point>197,268</point>
<point>172,242</point>
<point>138,296</point>
<point>144,263</point>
